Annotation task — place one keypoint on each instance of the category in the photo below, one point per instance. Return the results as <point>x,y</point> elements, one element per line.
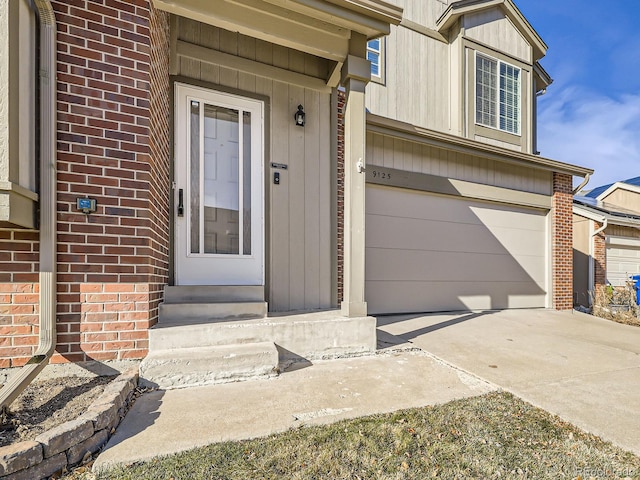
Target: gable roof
<point>605,189</point>
<point>463,7</point>
<point>597,210</point>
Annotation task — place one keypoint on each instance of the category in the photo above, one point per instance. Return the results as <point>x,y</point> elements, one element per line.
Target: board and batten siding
<point>430,82</point>
<point>423,12</point>
<point>392,152</point>
<point>417,81</point>
<point>299,209</point>
<point>491,27</point>
<point>621,231</point>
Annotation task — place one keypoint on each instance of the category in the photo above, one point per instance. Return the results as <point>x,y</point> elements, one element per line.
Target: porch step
<point>180,313</point>
<point>187,367</point>
<point>213,293</point>
<point>310,335</point>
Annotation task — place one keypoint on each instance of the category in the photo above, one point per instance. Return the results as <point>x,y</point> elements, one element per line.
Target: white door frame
<point>207,268</point>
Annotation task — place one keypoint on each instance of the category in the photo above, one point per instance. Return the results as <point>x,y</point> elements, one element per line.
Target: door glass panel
<point>246,182</point>
<point>221,180</point>
<point>194,203</point>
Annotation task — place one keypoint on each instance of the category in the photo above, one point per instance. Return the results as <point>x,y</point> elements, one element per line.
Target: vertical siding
<point>491,27</point>
<point>299,216</point>
<point>430,83</point>
<point>620,231</point>
<point>387,151</point>
<point>416,81</point>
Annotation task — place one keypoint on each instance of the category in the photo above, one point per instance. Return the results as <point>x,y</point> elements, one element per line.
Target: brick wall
<point>562,234</point>
<point>113,145</point>
<point>340,194</point>
<point>19,309</point>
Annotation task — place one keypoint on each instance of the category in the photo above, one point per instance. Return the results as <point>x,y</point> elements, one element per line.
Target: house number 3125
<point>382,175</point>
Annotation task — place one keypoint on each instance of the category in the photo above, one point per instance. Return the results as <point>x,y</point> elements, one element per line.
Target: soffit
<point>319,27</point>
<point>463,7</point>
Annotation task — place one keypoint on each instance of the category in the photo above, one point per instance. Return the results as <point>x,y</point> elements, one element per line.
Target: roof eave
<point>542,75</point>
<point>379,9</point>
<point>452,142</point>
<point>616,186</point>
<point>599,215</point>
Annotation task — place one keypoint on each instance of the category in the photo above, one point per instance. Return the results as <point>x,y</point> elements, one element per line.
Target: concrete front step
<point>306,335</point>
<point>187,367</point>
<point>177,313</point>
<point>213,293</point>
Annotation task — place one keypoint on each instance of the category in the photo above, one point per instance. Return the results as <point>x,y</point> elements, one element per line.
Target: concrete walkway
<point>582,368</point>
<point>164,422</point>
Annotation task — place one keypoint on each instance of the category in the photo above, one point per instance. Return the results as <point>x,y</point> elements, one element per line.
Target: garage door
<point>623,259</point>
<point>428,253</point>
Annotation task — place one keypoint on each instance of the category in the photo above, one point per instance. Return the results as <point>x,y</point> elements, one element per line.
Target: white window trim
<point>475,94</point>
<point>381,64</point>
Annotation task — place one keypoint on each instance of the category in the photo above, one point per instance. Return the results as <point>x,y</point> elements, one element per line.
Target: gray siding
<point>299,242</point>
<point>387,151</point>
<point>431,84</point>
<point>417,81</point>
<point>492,28</point>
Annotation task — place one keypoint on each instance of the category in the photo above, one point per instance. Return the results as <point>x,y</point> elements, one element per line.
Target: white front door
<point>219,152</point>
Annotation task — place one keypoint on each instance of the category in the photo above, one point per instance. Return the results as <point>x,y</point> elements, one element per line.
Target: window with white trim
<point>497,94</point>
<point>375,56</point>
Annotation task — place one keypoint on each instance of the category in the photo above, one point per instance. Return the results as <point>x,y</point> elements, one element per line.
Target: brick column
<point>562,234</point>
<point>113,137</point>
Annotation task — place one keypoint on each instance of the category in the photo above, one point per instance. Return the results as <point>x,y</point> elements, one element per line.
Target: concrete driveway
<point>582,368</point>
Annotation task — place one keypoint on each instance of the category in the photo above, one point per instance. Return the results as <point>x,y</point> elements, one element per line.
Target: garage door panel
<point>427,252</point>
<point>409,296</point>
<point>402,203</point>
<point>502,216</point>
<point>412,265</point>
<point>421,234</point>
<point>396,202</point>
<point>622,262</point>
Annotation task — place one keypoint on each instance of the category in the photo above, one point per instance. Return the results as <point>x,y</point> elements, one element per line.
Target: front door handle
<point>180,203</point>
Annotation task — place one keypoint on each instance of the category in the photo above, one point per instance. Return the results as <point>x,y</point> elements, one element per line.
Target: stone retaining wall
<point>66,445</point>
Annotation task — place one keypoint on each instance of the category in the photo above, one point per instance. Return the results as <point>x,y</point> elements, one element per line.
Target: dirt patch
<point>46,404</point>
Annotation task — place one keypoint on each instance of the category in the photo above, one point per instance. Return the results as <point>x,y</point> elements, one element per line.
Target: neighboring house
<point>606,238</point>
<point>231,159</point>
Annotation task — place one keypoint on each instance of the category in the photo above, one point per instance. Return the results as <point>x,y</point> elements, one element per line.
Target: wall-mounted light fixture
<point>299,116</point>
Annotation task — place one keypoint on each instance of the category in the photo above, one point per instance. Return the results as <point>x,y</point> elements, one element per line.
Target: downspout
<point>48,215</point>
<point>583,184</point>
<point>601,229</point>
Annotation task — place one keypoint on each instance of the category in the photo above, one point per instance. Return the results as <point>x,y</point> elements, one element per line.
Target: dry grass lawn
<point>492,436</point>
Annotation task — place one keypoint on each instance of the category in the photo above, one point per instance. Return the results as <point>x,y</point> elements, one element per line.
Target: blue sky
<point>590,115</point>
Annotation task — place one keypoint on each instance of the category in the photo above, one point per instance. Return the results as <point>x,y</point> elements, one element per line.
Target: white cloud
<point>578,126</point>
